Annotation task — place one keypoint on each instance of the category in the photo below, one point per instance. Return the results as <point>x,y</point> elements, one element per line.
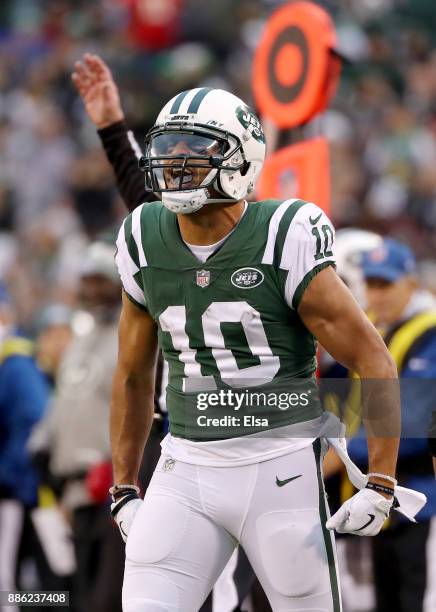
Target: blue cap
<point>390,261</point>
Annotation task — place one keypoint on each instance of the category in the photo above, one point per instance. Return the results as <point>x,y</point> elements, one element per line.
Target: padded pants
<point>193,517</point>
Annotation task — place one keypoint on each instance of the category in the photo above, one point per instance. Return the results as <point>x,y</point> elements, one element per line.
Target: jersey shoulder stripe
<point>299,232</point>
<point>284,212</point>
<point>285,224</point>
<point>130,241</point>
<point>137,234</point>
<point>129,271</point>
<point>148,236</point>
<point>307,250</point>
<point>133,233</point>
<point>131,248</point>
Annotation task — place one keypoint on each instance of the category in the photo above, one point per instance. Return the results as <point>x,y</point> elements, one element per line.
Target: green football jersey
<point>231,322</point>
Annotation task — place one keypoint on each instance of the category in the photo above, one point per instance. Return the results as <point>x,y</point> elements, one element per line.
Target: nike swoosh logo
<point>315,221</point>
<point>371,518</point>
<point>281,483</point>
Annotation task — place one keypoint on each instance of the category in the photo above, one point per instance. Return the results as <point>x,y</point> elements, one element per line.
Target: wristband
<point>116,507</point>
<point>118,491</point>
<point>384,476</point>
<point>380,488</point>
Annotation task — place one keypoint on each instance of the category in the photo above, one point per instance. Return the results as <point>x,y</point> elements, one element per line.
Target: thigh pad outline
<point>293,552</point>
<point>157,530</point>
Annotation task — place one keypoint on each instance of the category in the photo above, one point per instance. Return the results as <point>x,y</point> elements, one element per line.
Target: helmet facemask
<point>183,162</point>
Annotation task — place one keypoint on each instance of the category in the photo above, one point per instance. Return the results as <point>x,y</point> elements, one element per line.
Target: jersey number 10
<point>328,241</point>
<point>173,321</point>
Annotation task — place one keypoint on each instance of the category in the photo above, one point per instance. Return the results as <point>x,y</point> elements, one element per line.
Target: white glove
<point>363,514</point>
<point>124,512</point>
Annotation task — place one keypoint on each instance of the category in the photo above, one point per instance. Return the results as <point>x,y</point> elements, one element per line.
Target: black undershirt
<point>130,183</point>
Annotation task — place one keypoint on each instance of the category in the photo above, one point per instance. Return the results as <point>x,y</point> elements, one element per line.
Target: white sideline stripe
<point>137,235</point>
<point>134,144</point>
<point>268,255</point>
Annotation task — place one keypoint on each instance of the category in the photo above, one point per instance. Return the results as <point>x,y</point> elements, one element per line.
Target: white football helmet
<point>197,130</point>
<point>350,244</point>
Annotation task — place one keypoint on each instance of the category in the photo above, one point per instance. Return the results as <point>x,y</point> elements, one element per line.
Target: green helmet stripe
<point>178,101</point>
<point>198,99</point>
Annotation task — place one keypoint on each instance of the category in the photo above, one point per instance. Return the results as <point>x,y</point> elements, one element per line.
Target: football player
<point>100,95</point>
<point>235,295</point>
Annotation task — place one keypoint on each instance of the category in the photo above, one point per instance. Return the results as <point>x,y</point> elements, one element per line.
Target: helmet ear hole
<point>245,168</point>
<point>218,185</point>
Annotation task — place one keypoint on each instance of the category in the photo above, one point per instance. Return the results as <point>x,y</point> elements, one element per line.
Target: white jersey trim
<point>233,452</point>
<point>127,269</point>
<point>137,235</point>
<point>298,256</point>
<point>296,234</point>
<point>268,256</point>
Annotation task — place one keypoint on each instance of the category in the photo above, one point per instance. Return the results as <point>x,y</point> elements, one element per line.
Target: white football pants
<point>193,517</point>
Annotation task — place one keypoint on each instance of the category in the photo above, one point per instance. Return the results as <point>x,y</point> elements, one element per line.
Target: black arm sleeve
<point>118,144</point>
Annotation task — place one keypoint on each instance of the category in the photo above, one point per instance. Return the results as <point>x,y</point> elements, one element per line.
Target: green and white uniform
<point>230,321</point>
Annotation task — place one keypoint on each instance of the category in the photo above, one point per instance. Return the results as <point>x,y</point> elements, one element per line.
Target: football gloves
<point>363,514</point>
<point>124,508</point>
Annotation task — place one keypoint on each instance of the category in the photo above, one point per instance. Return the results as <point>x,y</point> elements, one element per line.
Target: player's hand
<point>363,514</point>
<point>98,90</point>
<point>123,511</point>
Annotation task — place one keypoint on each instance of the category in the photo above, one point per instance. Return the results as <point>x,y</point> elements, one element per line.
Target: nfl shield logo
<point>168,465</point>
<point>203,278</point>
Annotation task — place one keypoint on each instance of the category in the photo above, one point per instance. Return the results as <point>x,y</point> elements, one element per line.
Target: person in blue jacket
<point>406,317</point>
<point>24,394</point>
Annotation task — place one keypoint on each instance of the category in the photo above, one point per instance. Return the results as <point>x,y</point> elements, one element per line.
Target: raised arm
<point>100,95</point>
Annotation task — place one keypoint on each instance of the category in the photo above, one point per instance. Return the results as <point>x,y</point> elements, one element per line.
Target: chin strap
<point>191,200</point>
<point>222,200</point>
<point>185,201</point>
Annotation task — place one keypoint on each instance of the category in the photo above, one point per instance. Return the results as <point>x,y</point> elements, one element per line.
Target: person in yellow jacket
<point>405,553</point>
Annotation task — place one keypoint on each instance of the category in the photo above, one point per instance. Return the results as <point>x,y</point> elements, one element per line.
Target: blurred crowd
<point>56,189</point>
<point>57,193</point>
